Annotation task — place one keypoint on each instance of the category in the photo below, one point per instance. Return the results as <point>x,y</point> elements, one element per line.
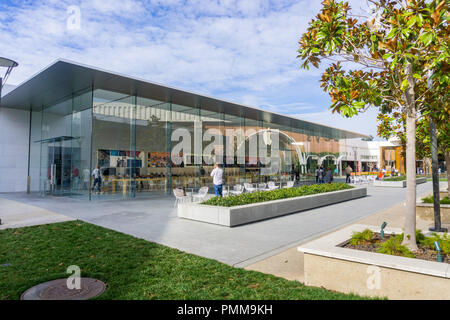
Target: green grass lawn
<point>132,268</point>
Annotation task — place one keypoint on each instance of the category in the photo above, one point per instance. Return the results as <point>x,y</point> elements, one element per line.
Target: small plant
<point>361,237</point>
<point>393,246</point>
<point>444,242</point>
<point>419,236</point>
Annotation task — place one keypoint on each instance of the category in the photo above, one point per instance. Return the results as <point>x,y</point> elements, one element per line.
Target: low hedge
<point>398,178</point>
<point>445,200</point>
<point>263,196</point>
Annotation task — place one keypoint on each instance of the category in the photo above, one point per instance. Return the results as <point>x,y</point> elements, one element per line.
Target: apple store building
<point>70,121</point>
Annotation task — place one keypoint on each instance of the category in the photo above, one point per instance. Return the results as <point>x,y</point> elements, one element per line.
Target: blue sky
<point>244,51</point>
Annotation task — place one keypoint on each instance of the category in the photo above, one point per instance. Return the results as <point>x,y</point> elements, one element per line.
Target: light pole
<point>9,65</point>
<point>434,171</point>
<point>356,159</point>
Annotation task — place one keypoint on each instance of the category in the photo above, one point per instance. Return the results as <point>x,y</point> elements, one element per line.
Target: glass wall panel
<point>253,130</point>
<point>213,145</point>
<point>304,163</point>
<point>278,153</point>
<point>234,131</point>
<point>113,145</point>
<point>81,145</point>
<point>152,141</point>
<point>145,147</point>
<point>55,172</point>
<point>186,165</point>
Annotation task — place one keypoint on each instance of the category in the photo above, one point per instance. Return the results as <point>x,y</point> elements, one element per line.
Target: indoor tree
<point>382,61</point>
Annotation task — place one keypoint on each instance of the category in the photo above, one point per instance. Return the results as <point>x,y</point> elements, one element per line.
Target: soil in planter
<point>424,253</point>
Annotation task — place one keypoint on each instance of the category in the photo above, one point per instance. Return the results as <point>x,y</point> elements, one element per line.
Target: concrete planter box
<point>397,184</point>
<point>238,215</point>
<point>328,265</point>
<point>425,211</point>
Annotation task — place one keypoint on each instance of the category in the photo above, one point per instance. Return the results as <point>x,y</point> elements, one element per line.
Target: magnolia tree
<point>381,61</point>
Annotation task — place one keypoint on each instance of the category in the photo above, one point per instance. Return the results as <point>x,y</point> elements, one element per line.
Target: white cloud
<point>253,50</point>
<point>239,50</point>
<point>363,123</point>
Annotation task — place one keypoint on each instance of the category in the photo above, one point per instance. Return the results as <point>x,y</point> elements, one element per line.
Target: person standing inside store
<point>75,177</point>
<point>348,172</point>
<point>86,179</point>
<point>217,175</point>
<point>317,175</point>
<point>97,179</point>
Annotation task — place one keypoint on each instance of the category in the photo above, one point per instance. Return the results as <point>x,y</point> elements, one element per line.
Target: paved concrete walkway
<point>289,263</point>
<point>155,220</point>
<point>17,215</point>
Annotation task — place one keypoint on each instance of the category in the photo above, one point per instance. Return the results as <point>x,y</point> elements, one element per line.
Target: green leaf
<point>405,33</point>
<point>420,20</point>
<point>359,104</point>
<point>387,55</point>
<point>321,35</point>
<point>411,22</point>
<point>426,38</point>
<point>404,85</point>
<point>394,63</point>
<point>391,33</point>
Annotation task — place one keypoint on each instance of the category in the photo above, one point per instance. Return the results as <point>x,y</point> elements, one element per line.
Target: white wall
<point>14,132</point>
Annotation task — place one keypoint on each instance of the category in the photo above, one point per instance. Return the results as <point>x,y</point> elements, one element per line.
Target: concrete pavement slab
<point>155,220</point>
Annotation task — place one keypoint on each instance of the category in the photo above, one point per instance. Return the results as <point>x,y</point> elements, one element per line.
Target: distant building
<point>369,156</point>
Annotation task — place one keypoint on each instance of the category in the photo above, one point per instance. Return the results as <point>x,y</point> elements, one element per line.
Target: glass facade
<point>144,147</point>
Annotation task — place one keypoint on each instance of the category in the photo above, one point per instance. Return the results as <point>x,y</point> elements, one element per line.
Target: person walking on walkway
<point>348,172</point>
<point>320,175</point>
<point>328,176</point>
<point>217,175</point>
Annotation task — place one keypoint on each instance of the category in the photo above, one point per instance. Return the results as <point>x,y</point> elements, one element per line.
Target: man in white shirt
<point>97,179</point>
<point>217,175</point>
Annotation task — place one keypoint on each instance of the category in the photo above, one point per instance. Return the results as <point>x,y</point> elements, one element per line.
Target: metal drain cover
<point>57,290</point>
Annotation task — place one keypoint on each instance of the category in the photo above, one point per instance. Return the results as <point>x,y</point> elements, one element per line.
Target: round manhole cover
<point>58,290</point>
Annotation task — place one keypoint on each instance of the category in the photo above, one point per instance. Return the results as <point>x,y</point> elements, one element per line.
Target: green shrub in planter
<point>361,237</point>
<point>263,196</point>
<point>393,246</point>
<point>445,200</point>
<point>399,178</point>
<point>444,242</point>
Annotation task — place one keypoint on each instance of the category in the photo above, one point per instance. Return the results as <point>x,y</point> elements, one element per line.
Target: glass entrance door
<point>56,166</point>
<point>60,164</point>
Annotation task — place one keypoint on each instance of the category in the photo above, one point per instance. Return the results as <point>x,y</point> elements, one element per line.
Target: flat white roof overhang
<point>64,78</point>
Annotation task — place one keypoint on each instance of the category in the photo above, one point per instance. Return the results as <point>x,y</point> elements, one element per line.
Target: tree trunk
<point>447,164</point>
<point>409,238</point>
